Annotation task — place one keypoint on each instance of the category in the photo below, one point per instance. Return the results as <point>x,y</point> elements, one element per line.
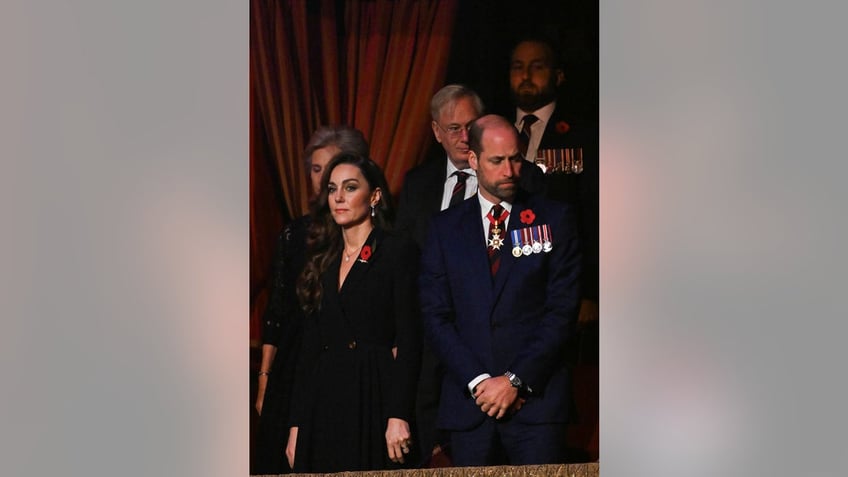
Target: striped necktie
<point>524,137</point>
<point>495,240</point>
<point>458,194</point>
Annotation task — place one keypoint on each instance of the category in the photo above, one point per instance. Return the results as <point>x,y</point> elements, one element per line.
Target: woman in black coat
<point>283,318</point>
<point>358,366</point>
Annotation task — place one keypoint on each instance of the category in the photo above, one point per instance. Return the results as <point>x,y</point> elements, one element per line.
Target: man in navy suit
<point>433,186</point>
<point>499,297</point>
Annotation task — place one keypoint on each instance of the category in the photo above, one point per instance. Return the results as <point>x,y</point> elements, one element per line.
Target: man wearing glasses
<point>429,188</point>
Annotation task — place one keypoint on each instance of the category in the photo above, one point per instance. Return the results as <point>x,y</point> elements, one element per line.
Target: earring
<point>372,211</point>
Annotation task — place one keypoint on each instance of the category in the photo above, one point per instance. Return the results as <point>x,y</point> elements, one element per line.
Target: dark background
<point>485,32</point>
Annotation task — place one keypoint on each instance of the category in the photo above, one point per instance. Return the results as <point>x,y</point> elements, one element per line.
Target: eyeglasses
<point>455,129</point>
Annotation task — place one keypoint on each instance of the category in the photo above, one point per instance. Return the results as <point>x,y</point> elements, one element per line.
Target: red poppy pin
<point>562,127</point>
<point>365,254</point>
<point>527,216</point>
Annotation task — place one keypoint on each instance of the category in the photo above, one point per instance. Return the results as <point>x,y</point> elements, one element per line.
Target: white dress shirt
<point>485,208</point>
<point>537,129</point>
<point>450,182</point>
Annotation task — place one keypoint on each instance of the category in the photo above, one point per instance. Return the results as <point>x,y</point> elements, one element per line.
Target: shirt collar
<point>486,206</point>
<point>544,113</point>
<point>452,168</point>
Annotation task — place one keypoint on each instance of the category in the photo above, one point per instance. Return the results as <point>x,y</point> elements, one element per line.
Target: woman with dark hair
<point>358,366</point>
<point>281,323</point>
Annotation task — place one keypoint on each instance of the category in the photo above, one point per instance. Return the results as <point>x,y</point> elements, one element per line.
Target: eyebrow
<point>346,181</point>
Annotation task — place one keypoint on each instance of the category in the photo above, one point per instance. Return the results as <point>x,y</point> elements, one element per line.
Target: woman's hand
<point>398,439</point>
<point>291,446</point>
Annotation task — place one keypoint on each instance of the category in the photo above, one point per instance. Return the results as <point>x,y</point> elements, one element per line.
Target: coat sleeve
<point>437,309</point>
<point>406,365</point>
<point>302,385</point>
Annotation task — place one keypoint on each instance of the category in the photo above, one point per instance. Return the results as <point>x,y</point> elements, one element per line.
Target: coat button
<point>326,347</point>
<point>351,345</point>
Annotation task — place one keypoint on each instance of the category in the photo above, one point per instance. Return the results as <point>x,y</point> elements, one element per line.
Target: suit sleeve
<point>544,351</point>
<point>437,308</point>
<point>405,367</point>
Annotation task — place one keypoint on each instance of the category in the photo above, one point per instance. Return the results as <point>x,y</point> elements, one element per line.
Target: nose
<point>338,196</point>
<point>508,168</point>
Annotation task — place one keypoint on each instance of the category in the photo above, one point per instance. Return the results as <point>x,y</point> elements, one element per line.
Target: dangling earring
<point>372,211</point>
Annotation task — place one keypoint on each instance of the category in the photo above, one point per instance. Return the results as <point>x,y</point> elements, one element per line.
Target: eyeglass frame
<point>450,131</point>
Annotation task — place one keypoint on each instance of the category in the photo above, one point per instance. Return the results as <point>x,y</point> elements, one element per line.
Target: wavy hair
<point>324,238</point>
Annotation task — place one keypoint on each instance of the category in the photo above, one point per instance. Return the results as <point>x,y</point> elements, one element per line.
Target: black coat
<point>347,383</point>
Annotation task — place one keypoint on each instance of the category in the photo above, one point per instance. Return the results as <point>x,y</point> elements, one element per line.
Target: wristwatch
<point>514,380</point>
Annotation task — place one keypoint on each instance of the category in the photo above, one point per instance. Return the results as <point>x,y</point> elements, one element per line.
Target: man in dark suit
<point>498,310</point>
<point>567,146</point>
<point>433,186</point>
<point>428,189</point>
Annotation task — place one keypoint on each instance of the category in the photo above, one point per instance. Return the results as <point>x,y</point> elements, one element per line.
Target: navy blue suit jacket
<point>517,321</point>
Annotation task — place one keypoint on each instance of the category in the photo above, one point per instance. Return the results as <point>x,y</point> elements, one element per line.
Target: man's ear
<point>436,131</point>
<point>472,160</point>
<point>560,76</point>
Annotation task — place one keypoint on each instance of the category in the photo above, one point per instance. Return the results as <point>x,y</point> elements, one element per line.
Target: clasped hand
<point>496,396</point>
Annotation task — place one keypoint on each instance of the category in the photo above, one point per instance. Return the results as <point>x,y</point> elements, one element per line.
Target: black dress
<point>348,384</point>
<point>281,327</point>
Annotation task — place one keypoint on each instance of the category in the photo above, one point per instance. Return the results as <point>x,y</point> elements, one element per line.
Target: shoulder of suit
<point>543,205</point>
<point>456,211</point>
<point>426,170</point>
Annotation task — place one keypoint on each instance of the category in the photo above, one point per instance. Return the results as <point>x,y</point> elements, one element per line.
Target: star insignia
<point>496,241</point>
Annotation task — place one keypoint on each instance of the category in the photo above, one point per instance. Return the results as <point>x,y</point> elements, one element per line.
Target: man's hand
<point>496,396</point>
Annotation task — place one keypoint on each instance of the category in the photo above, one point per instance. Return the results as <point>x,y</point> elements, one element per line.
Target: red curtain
<point>372,64</point>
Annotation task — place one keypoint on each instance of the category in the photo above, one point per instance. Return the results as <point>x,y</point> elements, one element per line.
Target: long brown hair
<point>324,238</point>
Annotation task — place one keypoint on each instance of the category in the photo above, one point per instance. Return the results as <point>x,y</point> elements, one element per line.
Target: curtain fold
<point>372,64</point>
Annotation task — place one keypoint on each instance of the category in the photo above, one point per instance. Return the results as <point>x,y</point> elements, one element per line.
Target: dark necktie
<point>458,194</point>
<point>495,240</point>
<point>524,137</point>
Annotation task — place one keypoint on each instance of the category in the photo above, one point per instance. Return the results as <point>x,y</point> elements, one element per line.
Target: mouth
<point>526,88</point>
<point>339,211</point>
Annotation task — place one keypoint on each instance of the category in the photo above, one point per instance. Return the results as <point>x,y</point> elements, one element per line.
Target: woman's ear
<point>376,196</point>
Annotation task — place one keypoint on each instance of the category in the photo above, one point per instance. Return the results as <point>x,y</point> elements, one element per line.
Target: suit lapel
<point>362,264</point>
<point>472,252</point>
<point>434,195</point>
